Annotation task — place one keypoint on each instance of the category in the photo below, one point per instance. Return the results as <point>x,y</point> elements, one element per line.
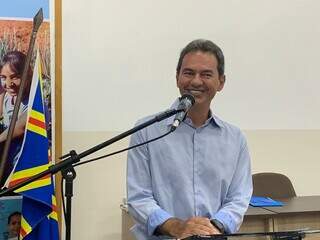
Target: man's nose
<point>196,80</point>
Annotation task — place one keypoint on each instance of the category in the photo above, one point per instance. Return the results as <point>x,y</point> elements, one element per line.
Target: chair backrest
<point>273,185</point>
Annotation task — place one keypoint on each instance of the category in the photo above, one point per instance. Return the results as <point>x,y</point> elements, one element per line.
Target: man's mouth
<point>195,92</point>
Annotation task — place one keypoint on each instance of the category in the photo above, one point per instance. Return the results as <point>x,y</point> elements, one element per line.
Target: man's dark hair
<point>13,214</point>
<point>205,46</point>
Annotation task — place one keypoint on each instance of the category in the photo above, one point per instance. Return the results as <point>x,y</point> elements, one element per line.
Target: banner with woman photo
<point>15,32</point>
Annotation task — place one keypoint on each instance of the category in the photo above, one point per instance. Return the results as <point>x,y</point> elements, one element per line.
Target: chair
<point>273,185</point>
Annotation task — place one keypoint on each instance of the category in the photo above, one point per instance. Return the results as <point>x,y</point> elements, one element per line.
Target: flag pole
<point>37,20</point>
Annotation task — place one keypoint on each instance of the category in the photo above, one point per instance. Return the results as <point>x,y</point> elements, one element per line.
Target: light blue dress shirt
<point>202,171</point>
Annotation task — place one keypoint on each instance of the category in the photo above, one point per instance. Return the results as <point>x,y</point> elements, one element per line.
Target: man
<point>197,180</point>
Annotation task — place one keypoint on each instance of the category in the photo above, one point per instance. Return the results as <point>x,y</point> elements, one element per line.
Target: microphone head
<point>187,97</point>
<point>186,102</point>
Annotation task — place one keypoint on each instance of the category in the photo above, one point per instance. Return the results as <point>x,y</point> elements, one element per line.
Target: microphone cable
<point>105,156</point>
<point>123,150</point>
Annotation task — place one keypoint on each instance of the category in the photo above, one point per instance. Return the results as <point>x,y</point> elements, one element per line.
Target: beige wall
<point>293,152</point>
<point>100,186</point>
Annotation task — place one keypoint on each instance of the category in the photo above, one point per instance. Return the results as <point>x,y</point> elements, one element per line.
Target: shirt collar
<point>214,120</point>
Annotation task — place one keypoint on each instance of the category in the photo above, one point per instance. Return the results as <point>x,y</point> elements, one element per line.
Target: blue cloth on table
<point>256,201</point>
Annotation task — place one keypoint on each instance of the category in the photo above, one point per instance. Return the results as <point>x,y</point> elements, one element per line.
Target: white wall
<point>119,60</point>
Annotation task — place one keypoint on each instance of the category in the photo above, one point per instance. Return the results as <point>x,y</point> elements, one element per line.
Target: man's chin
<point>198,99</point>
<point>201,102</point>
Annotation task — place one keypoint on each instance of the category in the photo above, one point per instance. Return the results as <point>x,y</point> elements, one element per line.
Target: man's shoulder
<point>228,127</point>
<point>154,130</point>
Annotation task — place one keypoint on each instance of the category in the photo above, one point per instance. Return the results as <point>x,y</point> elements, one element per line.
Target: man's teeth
<point>195,91</point>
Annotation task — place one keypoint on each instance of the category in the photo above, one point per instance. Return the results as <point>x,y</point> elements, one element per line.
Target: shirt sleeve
<point>239,193</point>
<point>141,203</point>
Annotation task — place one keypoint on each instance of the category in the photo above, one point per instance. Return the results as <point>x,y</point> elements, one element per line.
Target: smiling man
<point>197,180</point>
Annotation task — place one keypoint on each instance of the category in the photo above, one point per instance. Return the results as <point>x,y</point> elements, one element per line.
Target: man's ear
<point>222,80</point>
<point>177,77</point>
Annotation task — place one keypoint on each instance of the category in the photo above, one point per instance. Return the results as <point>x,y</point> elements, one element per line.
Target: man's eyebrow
<point>187,69</point>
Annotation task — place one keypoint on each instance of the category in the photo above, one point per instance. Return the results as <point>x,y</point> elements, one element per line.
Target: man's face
<point>199,77</point>
<point>10,80</point>
<point>14,225</point>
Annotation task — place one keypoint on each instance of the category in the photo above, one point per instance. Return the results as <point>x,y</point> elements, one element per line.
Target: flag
<point>39,213</point>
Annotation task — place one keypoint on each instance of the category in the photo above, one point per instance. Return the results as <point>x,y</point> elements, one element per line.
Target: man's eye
<point>207,75</point>
<point>188,73</point>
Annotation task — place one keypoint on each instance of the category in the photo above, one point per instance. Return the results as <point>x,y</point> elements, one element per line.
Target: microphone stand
<point>67,169</point>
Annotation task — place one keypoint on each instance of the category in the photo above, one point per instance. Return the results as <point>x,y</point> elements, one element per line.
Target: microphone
<point>186,102</point>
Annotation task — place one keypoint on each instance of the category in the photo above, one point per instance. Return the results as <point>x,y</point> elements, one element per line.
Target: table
<point>301,212</point>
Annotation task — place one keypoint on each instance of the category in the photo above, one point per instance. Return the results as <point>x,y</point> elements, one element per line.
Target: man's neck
<point>199,115</point>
